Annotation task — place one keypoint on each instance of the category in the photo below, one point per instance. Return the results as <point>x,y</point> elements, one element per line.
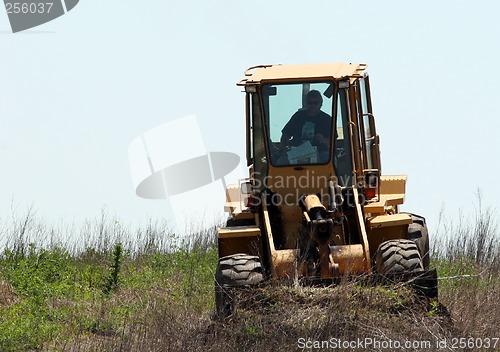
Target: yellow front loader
<point>316,207</point>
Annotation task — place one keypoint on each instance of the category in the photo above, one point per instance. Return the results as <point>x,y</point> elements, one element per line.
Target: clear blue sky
<point>76,91</point>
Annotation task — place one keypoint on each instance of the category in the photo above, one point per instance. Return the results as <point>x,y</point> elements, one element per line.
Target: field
<point>114,290</point>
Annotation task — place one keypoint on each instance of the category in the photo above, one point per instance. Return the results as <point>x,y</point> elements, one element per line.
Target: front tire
<point>417,231</point>
<point>237,270</point>
<point>397,257</point>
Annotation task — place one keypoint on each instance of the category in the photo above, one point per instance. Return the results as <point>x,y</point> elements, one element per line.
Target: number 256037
<point>23,7</point>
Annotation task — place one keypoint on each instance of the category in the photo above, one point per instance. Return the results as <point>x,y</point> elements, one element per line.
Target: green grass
<point>148,290</point>
<point>60,296</point>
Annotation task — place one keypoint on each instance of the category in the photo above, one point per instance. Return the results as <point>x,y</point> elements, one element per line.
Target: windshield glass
<point>299,122</point>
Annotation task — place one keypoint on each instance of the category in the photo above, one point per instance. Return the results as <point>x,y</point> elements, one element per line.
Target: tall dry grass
<point>164,294</point>
<point>466,252</point>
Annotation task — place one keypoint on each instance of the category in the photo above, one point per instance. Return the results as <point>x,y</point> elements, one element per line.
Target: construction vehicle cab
<point>316,204</point>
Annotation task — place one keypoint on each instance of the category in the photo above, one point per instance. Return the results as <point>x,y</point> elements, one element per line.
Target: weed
<point>434,306</point>
<point>112,280</point>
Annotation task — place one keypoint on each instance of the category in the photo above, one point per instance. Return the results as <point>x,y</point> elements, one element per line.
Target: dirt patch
<point>7,295</point>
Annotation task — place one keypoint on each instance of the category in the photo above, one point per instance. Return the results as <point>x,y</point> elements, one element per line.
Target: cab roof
<point>339,70</point>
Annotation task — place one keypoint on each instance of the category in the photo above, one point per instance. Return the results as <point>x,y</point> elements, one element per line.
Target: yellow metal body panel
<point>305,71</point>
<point>235,200</point>
<point>235,203</point>
<point>362,233</point>
<point>239,239</point>
<point>393,184</point>
<point>389,220</point>
<point>392,193</point>
<point>289,183</point>
<point>351,258</point>
<point>378,235</point>
<point>382,226</point>
<point>239,231</point>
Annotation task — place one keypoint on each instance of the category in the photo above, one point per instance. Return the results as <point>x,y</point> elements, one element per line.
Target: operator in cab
<point>311,125</point>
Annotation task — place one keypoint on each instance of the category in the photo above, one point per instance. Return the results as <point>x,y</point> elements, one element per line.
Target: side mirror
<point>269,90</point>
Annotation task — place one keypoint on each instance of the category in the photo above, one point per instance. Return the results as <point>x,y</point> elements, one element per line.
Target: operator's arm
<point>287,132</point>
<point>285,140</point>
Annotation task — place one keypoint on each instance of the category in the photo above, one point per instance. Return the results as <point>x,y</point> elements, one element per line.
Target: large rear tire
<point>418,232</point>
<point>396,257</point>
<point>237,270</point>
